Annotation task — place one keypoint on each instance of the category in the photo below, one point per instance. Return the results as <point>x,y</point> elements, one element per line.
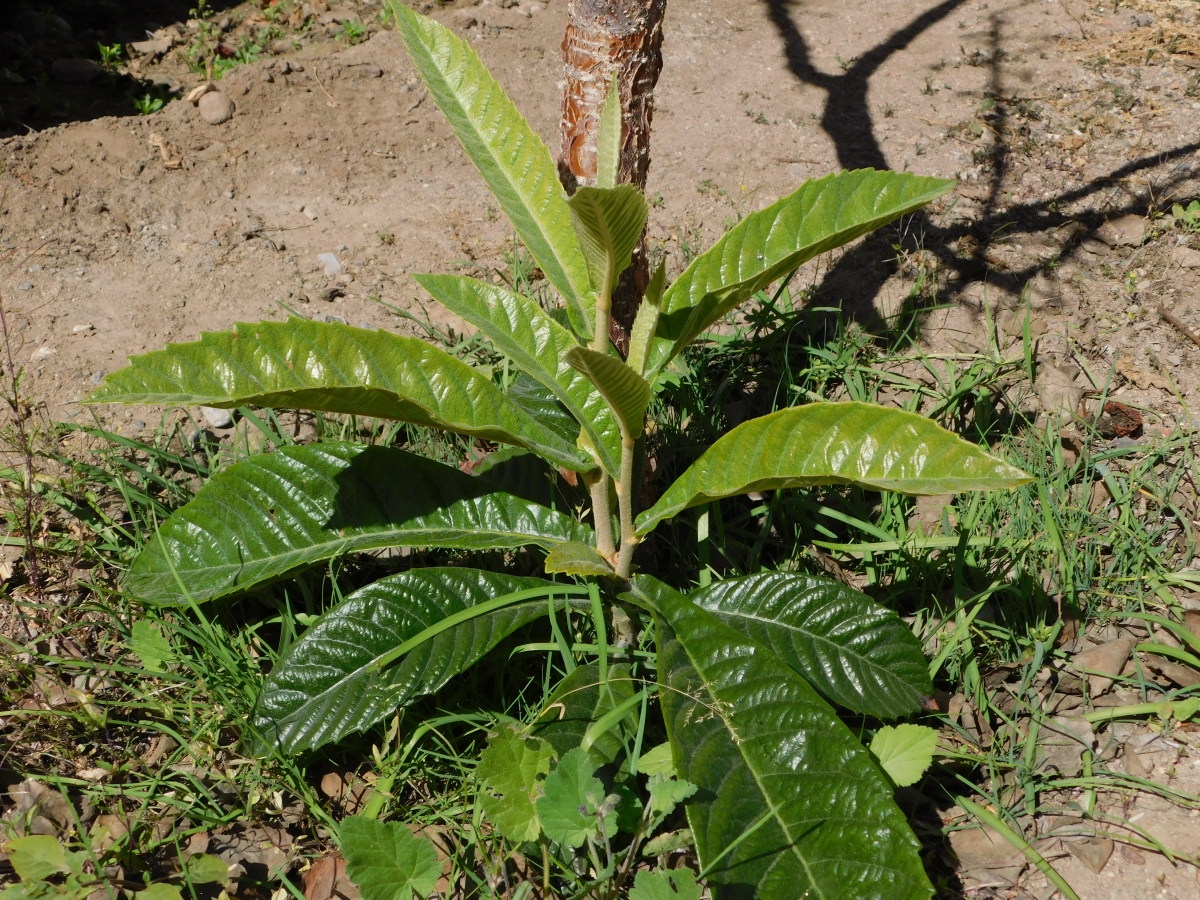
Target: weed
<point>110,55</point>
<point>354,32</point>
<point>386,238</point>
<point>147,104</point>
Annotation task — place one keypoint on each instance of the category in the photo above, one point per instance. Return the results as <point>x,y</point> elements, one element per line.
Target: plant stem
<point>601,514</point>
<point>629,540</point>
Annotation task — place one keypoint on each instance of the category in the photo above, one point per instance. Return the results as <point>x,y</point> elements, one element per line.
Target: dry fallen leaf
<point>1140,377</point>
<point>170,153</point>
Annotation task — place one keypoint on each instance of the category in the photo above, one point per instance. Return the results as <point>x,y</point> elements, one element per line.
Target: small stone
<point>1092,852</point>
<point>82,329</point>
<point>1186,257</point>
<point>1125,231</point>
<point>310,212</point>
<point>534,8</point>
<point>137,425</point>
<point>333,319</point>
<point>216,418</point>
<point>152,48</point>
<point>281,47</point>
<point>97,377</point>
<point>25,286</point>
<point>1101,661</point>
<point>332,266</point>
<point>75,71</point>
<point>216,108</point>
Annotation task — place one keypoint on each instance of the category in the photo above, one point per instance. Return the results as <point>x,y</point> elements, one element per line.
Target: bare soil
<point>1072,128</point>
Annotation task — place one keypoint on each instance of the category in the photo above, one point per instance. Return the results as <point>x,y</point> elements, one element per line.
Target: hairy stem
<point>629,540</point>
<point>597,484</point>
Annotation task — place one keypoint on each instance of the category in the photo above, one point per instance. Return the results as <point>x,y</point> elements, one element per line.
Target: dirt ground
<point>1072,128</point>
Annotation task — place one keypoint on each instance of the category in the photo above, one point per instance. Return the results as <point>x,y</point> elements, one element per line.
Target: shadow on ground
<point>846,119</point>
<point>50,71</point>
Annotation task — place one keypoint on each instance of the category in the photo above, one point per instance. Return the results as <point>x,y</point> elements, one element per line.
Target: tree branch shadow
<point>855,280</point>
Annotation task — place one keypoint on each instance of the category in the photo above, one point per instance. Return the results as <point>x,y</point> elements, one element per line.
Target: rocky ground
<point>319,175</point>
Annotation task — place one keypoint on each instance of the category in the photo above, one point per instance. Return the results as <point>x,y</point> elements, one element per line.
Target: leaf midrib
<point>737,743</point>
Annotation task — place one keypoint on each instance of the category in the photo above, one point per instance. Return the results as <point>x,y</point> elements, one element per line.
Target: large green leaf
<point>835,443</point>
<point>336,679</point>
<point>273,515</point>
<point>511,770</point>
<point>609,223</point>
<point>764,246</point>
<point>852,650</point>
<point>512,159</point>
<point>523,331</point>
<point>776,768</point>
<point>335,368</point>
<point>627,392</point>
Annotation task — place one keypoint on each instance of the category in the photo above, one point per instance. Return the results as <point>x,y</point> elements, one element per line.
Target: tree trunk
<point>606,37</point>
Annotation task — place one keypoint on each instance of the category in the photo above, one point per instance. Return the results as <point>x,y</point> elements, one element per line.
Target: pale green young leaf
<point>334,368</point>
<point>608,138</point>
<point>37,857</point>
<point>204,868</point>
<point>855,652</point>
<point>272,515</point>
<point>387,861</point>
<point>667,793</point>
<point>626,392</point>
<point>147,641</point>
<point>789,802</point>
<point>340,677</point>
<point>657,761</point>
<point>609,223</point>
<point>904,751</point>
<point>666,884</point>
<point>528,335</point>
<point>512,159</point>
<point>577,559</point>
<point>669,843</point>
<point>160,891</point>
<point>835,443</point>
<point>766,245</point>
<point>573,805</point>
<point>641,338</point>
<point>511,769</point>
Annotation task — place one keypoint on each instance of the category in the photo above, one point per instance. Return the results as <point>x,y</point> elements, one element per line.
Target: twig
<point>1175,320</point>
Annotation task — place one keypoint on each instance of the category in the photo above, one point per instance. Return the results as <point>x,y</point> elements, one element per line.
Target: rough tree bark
<point>606,37</point>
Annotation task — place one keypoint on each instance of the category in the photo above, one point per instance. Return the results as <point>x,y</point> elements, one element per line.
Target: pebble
<point>216,108</point>
<point>332,266</point>
<point>137,424</point>
<point>333,319</point>
<point>217,418</point>
<point>281,47</point>
<point>310,212</point>
<point>25,286</point>
<point>97,377</point>
<point>298,170</point>
<point>80,329</point>
<point>1186,257</point>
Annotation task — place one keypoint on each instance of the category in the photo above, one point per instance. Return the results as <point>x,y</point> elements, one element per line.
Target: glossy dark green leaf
<point>512,159</point>
<point>626,392</point>
<point>534,341</point>
<point>835,443</point>
<point>818,216</point>
<point>579,701</point>
<point>270,516</point>
<point>338,678</point>
<point>334,368</point>
<point>855,652</point>
<point>771,759</point>
<point>528,476</point>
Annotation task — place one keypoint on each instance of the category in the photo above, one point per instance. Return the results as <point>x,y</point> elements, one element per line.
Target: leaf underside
<point>329,683</point>
<point>609,223</point>
<point>761,745</point>
<point>577,559</point>
<point>513,160</point>
<point>534,341</point>
<point>834,443</point>
<point>334,368</point>
<point>818,216</point>
<point>627,392</point>
<point>853,651</point>
<point>273,515</point>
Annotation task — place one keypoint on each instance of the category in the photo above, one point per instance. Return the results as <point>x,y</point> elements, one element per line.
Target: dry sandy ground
<point>1067,124</point>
